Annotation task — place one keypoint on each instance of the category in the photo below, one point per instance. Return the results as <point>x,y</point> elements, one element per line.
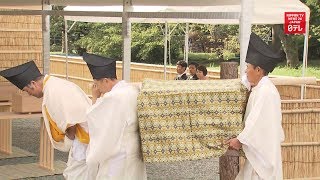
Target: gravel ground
<point>26,136</point>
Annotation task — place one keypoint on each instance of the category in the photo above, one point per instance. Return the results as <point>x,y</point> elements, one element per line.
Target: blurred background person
<point>181,70</point>
<point>193,70</point>
<point>202,72</point>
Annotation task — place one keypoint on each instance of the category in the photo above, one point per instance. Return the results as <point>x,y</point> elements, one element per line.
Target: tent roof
<point>197,11</point>
<point>161,14</point>
<point>265,12</point>
<point>119,2</point>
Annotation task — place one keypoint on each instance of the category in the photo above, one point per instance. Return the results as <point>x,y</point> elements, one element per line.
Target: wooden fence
<point>79,73</point>
<point>301,118</point>
<point>294,92</point>
<point>20,41</point>
<point>301,125</point>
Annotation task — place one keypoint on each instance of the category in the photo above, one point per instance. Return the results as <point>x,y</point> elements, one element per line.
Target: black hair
<point>182,63</point>
<point>194,63</point>
<point>203,69</point>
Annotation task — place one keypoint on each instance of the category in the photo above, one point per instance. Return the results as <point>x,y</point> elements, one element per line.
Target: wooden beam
<point>314,110</point>
<point>293,80</point>
<point>300,144</point>
<point>12,115</point>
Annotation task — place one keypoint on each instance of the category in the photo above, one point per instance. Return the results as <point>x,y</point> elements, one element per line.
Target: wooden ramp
<point>31,170</point>
<point>16,153</point>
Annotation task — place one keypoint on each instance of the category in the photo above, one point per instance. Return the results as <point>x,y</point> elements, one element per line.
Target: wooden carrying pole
<point>229,162</point>
<point>293,80</point>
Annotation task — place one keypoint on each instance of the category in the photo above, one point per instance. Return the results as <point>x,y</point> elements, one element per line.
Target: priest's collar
<point>262,81</point>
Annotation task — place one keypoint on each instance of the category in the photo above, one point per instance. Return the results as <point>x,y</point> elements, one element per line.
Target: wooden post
<point>5,129</point>
<point>229,70</point>
<point>229,162</point>
<point>46,148</point>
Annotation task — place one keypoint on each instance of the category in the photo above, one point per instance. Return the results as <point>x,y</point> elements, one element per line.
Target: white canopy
<point>161,14</point>
<point>264,12</point>
<point>118,2</point>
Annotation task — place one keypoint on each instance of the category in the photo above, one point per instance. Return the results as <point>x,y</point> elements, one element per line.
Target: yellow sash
<point>82,135</point>
<point>57,134</point>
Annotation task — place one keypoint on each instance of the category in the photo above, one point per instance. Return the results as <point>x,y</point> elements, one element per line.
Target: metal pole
<point>186,42</point>
<point>126,35</point>
<point>169,49</point>
<point>46,39</point>
<point>305,57</point>
<point>74,23</point>
<point>170,32</point>
<point>245,30</point>
<point>165,50</point>
<point>66,46</point>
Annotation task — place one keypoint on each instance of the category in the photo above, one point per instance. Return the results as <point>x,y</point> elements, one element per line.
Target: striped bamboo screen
<point>294,91</point>
<point>300,151</point>
<point>20,41</point>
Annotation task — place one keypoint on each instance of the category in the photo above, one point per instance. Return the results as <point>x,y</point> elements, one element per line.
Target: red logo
<point>294,22</point>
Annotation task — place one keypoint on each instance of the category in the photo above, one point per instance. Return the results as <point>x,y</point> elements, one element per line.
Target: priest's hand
<point>95,93</point>
<point>71,132</point>
<point>234,143</point>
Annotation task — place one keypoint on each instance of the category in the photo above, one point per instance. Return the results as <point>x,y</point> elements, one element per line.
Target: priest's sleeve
<point>106,122</point>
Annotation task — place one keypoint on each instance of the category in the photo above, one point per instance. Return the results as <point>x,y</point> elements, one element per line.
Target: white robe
<point>262,136</point>
<point>114,137</point>
<point>66,104</point>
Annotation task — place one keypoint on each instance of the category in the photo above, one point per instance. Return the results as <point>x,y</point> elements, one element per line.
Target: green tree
<point>103,39</point>
<point>314,6</point>
<point>56,31</point>
<point>106,39</point>
<point>147,43</point>
<point>314,38</point>
<point>219,39</point>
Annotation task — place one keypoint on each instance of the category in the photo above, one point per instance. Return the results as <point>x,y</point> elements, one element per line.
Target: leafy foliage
<point>147,43</point>
<point>103,39</point>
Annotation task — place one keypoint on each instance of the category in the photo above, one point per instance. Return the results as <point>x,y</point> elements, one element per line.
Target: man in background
<point>193,70</point>
<point>181,70</point>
